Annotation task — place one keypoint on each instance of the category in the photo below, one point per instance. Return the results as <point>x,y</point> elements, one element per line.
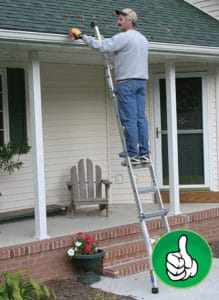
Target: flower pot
<point>88,264</point>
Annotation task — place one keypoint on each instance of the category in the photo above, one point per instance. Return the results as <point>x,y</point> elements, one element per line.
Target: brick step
<point>119,240</point>
<point>110,237</point>
<point>124,251</point>
<point>130,267</point>
<point>125,248</point>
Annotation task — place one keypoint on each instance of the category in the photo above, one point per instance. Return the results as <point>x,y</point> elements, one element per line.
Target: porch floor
<point>86,219</point>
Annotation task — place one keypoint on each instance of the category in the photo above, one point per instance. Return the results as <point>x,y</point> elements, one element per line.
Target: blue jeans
<point>131,105</point>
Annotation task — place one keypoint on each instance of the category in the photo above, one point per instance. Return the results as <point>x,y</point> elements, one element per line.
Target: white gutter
<point>182,48</point>
<point>36,38</point>
<point>33,38</point>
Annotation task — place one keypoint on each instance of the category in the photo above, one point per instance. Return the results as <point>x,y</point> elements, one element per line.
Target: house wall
<point>212,121</point>
<point>211,7</point>
<point>74,127</point>
<point>17,188</point>
<point>79,122</point>
<point>74,118</point>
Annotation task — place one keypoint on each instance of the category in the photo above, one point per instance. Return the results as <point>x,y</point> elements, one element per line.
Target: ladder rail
<point>158,197</point>
<point>135,189</point>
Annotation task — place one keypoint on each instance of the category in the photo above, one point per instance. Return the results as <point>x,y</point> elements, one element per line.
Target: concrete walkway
<point>138,286</point>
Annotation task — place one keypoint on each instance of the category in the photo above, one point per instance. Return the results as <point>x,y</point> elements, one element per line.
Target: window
<point>189,100</point>
<point>12,106</point>
<point>17,105</point>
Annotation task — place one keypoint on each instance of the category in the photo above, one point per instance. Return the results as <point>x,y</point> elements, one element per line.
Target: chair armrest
<point>106,182</point>
<point>69,185</point>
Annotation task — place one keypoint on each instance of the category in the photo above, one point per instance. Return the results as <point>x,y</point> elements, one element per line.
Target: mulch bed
<point>72,289</point>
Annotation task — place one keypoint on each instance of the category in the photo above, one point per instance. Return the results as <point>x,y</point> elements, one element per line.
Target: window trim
<point>6,128</point>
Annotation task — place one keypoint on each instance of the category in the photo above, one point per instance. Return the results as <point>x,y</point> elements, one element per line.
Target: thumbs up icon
<point>180,265</point>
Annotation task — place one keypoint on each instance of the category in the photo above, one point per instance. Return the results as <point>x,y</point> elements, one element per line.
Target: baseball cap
<point>128,12</point>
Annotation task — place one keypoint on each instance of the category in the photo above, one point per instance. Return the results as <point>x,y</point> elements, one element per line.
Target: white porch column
<point>37,145</point>
<point>172,137</point>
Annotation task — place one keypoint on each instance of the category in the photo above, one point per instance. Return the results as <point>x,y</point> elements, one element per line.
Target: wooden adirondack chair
<point>85,190</point>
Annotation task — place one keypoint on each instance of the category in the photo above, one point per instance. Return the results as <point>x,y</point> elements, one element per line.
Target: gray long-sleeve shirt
<point>130,50</point>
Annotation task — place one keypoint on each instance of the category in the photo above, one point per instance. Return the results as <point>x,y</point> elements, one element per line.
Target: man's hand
<point>75,33</point>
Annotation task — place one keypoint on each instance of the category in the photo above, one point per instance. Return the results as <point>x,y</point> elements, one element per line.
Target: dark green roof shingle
<point>168,21</point>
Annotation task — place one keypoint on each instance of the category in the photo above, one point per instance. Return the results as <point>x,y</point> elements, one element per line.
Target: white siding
<point>211,7</point>
<point>74,124</point>
<point>74,118</point>
<point>79,122</point>
<point>17,188</point>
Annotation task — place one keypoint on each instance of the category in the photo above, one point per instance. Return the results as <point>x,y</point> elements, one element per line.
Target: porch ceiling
<point>78,53</point>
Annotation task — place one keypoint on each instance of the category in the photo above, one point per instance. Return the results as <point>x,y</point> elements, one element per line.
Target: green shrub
<point>10,156</point>
<point>18,286</point>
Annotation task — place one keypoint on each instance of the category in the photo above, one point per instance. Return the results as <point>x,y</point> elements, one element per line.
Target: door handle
<point>157,132</point>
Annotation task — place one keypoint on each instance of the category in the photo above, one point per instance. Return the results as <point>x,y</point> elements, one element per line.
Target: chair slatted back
<point>98,182</point>
<point>84,187</point>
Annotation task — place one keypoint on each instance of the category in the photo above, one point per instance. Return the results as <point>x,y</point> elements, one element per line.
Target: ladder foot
<point>155,290</point>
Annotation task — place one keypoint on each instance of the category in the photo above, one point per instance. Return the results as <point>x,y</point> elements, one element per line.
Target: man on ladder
<point>130,50</point>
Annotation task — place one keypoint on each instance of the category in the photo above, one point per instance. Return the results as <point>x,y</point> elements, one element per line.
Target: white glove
<point>180,265</point>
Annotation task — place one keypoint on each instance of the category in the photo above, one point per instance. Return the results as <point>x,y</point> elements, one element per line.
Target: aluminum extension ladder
<point>161,212</point>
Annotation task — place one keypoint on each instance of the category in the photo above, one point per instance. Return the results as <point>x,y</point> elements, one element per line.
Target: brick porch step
<point>125,248</point>
<point>125,258</point>
<point>124,251</point>
<point>126,268</point>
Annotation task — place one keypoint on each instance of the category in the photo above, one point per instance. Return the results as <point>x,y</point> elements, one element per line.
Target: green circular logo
<point>182,258</point>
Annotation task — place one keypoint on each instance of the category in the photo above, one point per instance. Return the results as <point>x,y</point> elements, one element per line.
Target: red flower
<point>88,239</point>
<point>84,244</point>
<point>88,248</point>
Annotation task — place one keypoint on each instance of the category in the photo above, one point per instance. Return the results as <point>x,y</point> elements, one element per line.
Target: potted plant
<point>86,256</point>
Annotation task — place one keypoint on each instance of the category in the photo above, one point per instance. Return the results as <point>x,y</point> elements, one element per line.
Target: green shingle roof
<point>168,21</point>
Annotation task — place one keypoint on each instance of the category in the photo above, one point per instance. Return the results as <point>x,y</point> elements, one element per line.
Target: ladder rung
<point>153,214</point>
<point>140,166</point>
<point>149,189</point>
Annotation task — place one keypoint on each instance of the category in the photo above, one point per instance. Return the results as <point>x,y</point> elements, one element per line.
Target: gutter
<point>183,48</point>
<point>40,38</point>
<point>51,39</point>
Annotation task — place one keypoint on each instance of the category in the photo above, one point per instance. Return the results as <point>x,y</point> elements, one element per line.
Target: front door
<point>191,130</point>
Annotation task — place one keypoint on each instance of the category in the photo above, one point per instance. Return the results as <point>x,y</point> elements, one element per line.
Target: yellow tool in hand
<point>75,33</point>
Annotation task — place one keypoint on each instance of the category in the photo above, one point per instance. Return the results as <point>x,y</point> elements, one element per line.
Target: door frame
<point>206,129</point>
